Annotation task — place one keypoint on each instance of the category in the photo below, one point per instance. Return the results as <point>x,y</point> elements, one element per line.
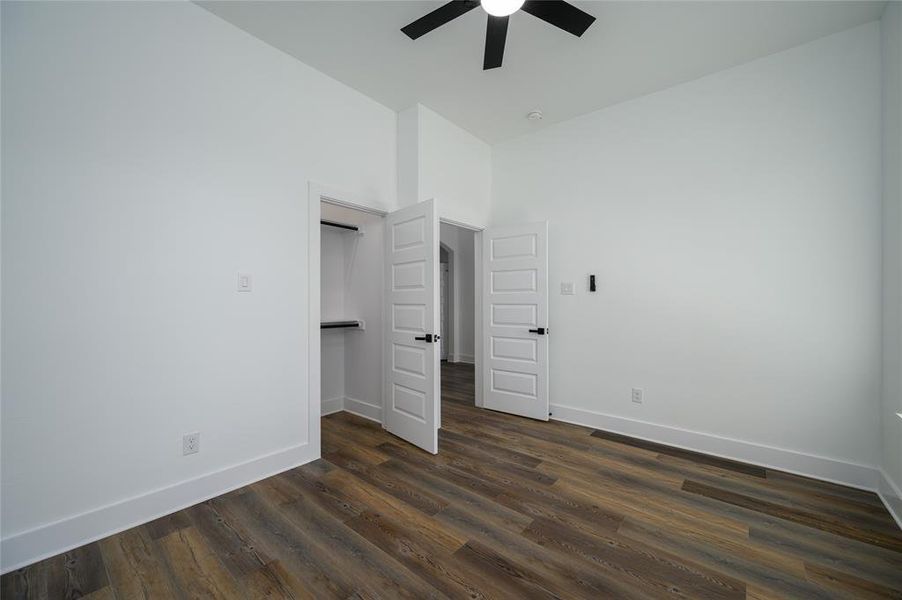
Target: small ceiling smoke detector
<point>534,115</point>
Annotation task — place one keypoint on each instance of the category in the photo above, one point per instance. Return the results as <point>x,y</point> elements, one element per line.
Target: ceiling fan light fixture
<point>501,8</point>
<point>559,13</point>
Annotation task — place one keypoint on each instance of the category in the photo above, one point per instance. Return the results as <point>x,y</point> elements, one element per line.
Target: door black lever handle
<point>428,338</point>
<point>540,331</point>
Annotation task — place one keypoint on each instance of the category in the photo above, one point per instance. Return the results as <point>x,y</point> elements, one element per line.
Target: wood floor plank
<point>377,501</point>
<point>275,581</point>
<point>458,489</point>
<point>230,543</point>
<point>317,489</point>
<point>106,593</point>
<point>782,578</point>
<point>374,571</point>
<point>578,456</point>
<point>660,505</point>
<point>689,455</point>
<point>534,498</point>
<point>501,452</point>
<point>406,492</point>
<point>541,566</point>
<point>428,560</point>
<point>850,512</point>
<point>849,586</point>
<point>405,457</point>
<point>281,539</point>
<point>364,450</point>
<point>195,567</point>
<point>509,508</point>
<point>160,528</point>
<point>658,573</point>
<point>44,579</point>
<point>884,539</point>
<point>815,546</point>
<point>517,580</point>
<point>75,574</point>
<point>134,568</point>
<point>798,482</point>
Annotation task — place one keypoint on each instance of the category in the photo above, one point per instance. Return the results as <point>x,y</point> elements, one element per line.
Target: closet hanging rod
<point>339,225</point>
<point>341,325</point>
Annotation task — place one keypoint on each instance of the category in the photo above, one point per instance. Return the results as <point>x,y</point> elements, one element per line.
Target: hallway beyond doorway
<point>458,383</point>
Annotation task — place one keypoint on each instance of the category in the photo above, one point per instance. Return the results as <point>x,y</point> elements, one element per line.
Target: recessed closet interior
<point>351,264</point>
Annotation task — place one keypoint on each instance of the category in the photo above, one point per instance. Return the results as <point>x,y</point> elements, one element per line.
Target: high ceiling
<point>634,48</point>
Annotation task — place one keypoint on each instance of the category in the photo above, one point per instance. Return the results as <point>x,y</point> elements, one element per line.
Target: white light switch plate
<point>567,288</point>
<point>245,282</point>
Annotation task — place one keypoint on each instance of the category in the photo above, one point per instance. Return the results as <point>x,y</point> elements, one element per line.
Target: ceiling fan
<point>556,12</point>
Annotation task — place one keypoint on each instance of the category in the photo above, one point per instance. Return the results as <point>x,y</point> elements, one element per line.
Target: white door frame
<point>478,362</point>
<point>317,193</point>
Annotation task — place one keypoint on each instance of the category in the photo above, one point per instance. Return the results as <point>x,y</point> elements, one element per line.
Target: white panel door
<point>411,360</point>
<point>515,319</point>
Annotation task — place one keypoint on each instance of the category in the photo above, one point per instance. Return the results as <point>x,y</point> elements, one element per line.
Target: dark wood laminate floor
<point>510,508</point>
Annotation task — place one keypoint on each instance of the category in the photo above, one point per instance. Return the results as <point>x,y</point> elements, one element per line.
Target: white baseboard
<point>819,467</point>
<point>891,494</point>
<point>49,540</point>
<point>464,358</point>
<point>333,405</point>
<point>363,409</point>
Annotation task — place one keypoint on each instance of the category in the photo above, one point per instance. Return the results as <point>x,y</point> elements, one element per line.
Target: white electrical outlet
<point>637,395</point>
<point>567,288</point>
<point>191,443</point>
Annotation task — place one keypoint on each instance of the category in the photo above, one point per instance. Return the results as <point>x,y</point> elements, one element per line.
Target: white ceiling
<point>634,48</point>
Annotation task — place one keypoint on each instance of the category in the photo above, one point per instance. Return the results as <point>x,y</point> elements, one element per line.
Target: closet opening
<point>387,345</point>
<point>351,263</point>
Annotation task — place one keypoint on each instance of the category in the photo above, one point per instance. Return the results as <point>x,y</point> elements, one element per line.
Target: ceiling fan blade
<point>560,14</point>
<point>438,17</point>
<point>495,36</point>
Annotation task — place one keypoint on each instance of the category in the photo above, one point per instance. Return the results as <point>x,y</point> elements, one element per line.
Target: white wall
<point>409,156</point>
<point>438,159</point>
<point>460,241</point>
<point>151,151</point>
<point>891,26</point>
<point>733,224</point>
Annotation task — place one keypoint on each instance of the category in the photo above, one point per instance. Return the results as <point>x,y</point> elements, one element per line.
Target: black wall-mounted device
<point>591,283</point>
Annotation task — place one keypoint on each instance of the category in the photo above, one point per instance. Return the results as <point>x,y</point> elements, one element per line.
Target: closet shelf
<point>342,325</point>
<point>344,226</point>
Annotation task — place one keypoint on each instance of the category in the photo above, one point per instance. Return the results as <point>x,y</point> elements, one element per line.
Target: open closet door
<point>412,375</point>
<point>515,319</point>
